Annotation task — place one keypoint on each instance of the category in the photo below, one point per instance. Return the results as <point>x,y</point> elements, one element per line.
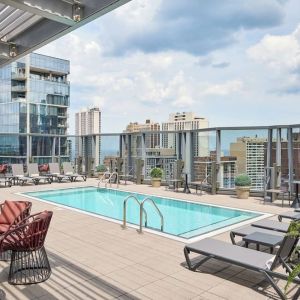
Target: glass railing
<point>214,155</point>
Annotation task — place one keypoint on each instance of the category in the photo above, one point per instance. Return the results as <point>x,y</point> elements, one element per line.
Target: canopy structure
<point>28,25</point>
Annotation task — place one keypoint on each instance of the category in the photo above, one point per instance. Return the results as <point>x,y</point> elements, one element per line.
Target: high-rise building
<point>186,121</point>
<point>152,140</point>
<point>284,167</point>
<point>34,98</point>
<point>203,169</point>
<point>249,152</point>
<point>161,158</point>
<point>88,123</point>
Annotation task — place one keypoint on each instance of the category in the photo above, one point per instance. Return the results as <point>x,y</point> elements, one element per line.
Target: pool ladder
<point>142,212</point>
<point>103,179</point>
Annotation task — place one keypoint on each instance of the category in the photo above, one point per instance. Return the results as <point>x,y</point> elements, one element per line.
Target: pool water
<point>181,218</point>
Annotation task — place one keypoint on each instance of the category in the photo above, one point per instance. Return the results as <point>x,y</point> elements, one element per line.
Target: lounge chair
<point>248,229</point>
<point>272,225</point>
<point>293,215</point>
<point>250,259</point>
<point>6,181</point>
<point>69,171</point>
<point>33,172</point>
<point>18,172</point>
<point>54,172</point>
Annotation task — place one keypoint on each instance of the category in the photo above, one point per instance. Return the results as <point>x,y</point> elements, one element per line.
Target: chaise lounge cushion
<point>231,253</point>
<point>10,211</point>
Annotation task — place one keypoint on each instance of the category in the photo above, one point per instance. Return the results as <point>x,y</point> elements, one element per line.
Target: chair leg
<point>29,267</point>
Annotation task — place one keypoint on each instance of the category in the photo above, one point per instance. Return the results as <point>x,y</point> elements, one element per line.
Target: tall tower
<point>34,98</point>
<point>186,121</point>
<point>88,126</point>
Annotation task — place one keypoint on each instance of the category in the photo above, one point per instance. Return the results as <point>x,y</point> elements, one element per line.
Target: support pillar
<point>188,158</point>
<point>218,160</point>
<point>290,158</point>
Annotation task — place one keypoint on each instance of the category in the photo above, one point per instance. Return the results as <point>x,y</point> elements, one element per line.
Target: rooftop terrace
<point>93,258</point>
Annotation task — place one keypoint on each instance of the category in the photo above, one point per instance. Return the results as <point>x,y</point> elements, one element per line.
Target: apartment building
<point>249,152</point>
<point>88,142</point>
<point>152,140</point>
<point>186,121</point>
<point>34,98</point>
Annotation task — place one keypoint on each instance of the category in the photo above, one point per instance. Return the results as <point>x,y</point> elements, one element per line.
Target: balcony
<point>19,99</point>
<point>18,88</point>
<point>18,76</point>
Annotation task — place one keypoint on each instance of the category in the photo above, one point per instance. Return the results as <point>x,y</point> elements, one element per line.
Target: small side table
<point>265,239</point>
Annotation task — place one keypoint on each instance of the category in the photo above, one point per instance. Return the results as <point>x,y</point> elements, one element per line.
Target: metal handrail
<point>110,177</point>
<point>157,209</point>
<point>125,210</point>
<point>103,177</point>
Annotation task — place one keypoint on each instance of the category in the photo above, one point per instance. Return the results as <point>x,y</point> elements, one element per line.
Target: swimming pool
<point>181,218</point>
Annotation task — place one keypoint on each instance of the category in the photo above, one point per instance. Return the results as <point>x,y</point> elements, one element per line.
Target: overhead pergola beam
<point>50,20</point>
<point>4,50</point>
<point>55,10</point>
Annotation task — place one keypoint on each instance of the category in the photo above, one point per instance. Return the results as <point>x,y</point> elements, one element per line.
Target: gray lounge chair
<point>18,172</point>
<point>33,172</point>
<point>272,225</point>
<point>55,172</point>
<point>69,171</point>
<point>261,262</point>
<point>293,215</point>
<point>248,229</point>
<point>6,181</point>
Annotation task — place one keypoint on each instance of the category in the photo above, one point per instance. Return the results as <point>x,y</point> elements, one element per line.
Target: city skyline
<point>201,61</point>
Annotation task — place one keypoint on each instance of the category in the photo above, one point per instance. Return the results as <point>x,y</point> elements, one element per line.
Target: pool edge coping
<point>152,231</point>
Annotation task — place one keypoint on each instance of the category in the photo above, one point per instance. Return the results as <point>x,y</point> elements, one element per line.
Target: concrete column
<point>53,149</point>
<point>59,160</point>
<point>290,158</point>
<point>219,169</point>
<point>188,158</point>
<point>120,146</point>
<point>269,148</point>
<point>28,148</point>
<point>129,156</point>
<point>178,145</point>
<point>278,155</point>
<point>144,153</point>
<point>183,149</point>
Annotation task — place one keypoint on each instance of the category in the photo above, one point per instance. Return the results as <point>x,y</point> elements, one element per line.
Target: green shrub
<point>156,173</point>
<point>101,168</point>
<point>242,180</point>
<point>294,232</point>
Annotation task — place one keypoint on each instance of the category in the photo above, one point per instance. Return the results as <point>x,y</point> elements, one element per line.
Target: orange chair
<point>12,212</point>
<point>29,261</point>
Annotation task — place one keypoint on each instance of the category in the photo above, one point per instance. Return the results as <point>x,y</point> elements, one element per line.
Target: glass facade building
<point>34,99</point>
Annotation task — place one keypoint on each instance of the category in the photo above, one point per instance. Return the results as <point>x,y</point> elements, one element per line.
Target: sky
<point>235,62</point>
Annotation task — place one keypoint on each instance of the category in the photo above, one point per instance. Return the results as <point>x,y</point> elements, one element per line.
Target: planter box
<point>242,192</point>
<point>156,182</point>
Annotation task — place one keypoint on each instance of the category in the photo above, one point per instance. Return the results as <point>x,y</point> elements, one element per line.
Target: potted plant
<point>242,184</point>
<point>294,232</point>
<point>156,175</point>
<point>101,169</point>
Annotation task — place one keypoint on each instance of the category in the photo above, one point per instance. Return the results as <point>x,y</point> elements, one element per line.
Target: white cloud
<point>137,85</point>
<point>280,52</point>
<point>223,89</point>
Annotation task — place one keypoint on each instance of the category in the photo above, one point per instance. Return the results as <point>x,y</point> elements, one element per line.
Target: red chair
<point>12,212</point>
<point>29,261</point>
